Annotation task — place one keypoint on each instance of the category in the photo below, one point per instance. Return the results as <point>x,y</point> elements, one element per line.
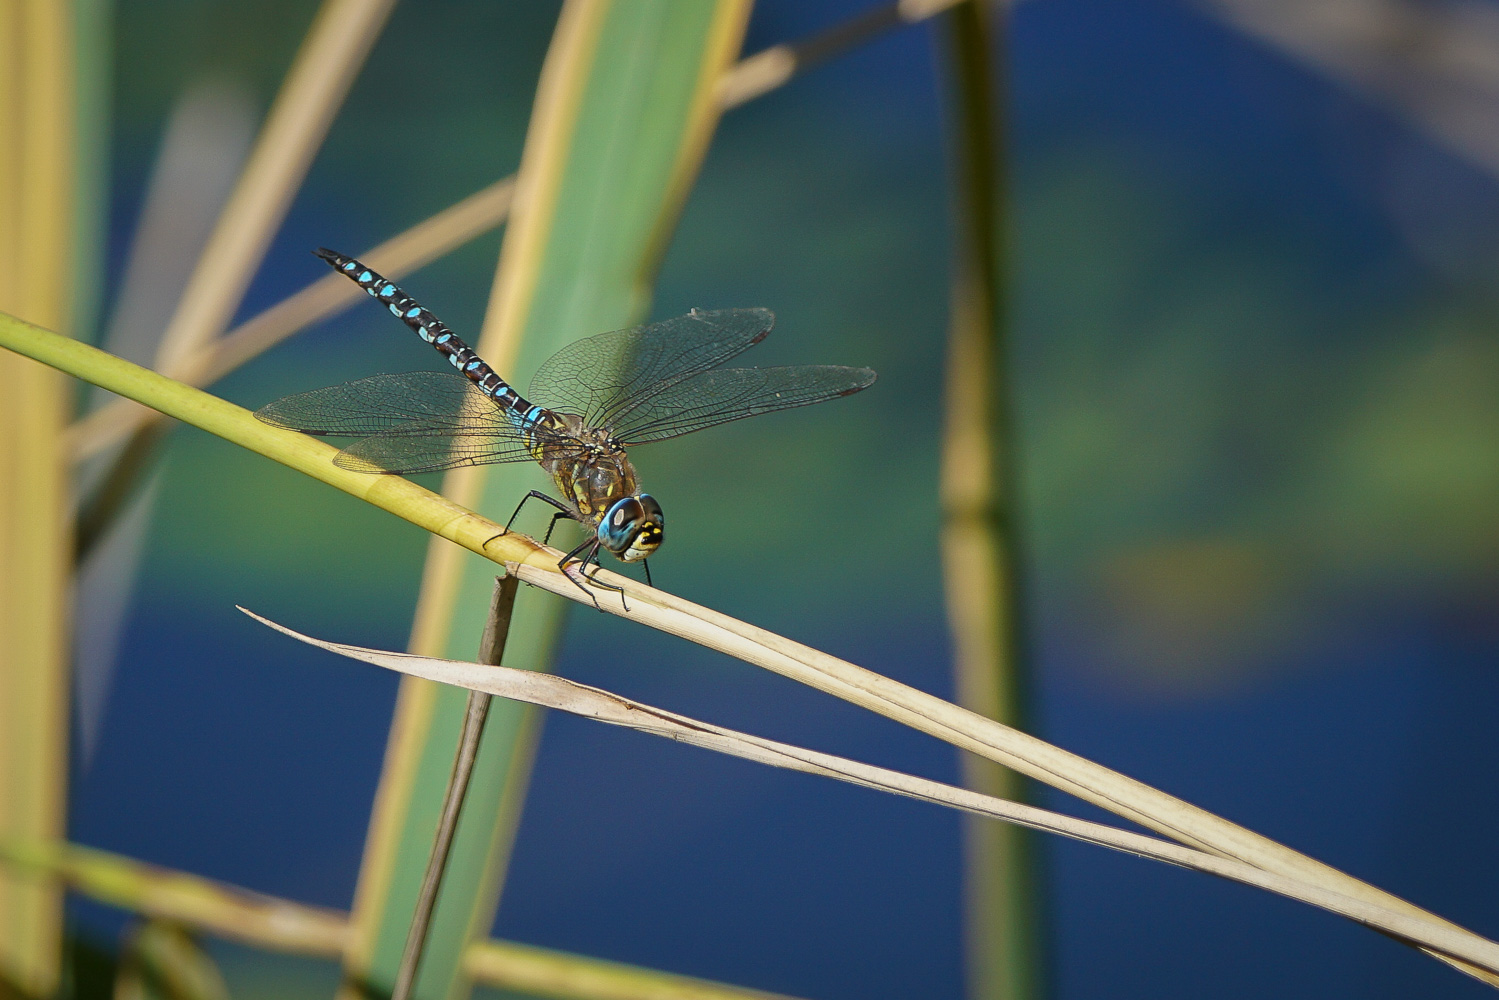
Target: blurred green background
<point>1257,387</point>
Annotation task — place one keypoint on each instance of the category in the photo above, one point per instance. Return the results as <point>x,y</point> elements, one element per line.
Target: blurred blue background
<point>1257,392</point>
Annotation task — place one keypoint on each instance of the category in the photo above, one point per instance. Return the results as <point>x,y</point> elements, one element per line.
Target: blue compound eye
<point>632,528</point>
<point>620,524</point>
<point>652,510</point>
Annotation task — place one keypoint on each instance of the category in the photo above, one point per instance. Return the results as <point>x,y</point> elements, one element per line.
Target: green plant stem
<point>979,536</point>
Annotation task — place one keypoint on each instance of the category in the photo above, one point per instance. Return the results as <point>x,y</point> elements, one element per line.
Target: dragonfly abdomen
<point>435,332</point>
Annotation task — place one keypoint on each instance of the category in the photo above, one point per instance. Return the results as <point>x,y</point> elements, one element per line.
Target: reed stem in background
<point>315,87</point>
<point>320,76</point>
<point>330,294</point>
<point>491,650</point>
<point>536,564</point>
<point>40,155</point>
<point>770,68</point>
<point>206,906</point>
<point>1429,65</point>
<point>280,925</point>
<point>1002,901</point>
<point>160,960</point>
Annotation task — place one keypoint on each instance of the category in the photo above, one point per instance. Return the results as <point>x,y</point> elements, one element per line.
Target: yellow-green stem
<point>1002,929</point>
<point>38,221</point>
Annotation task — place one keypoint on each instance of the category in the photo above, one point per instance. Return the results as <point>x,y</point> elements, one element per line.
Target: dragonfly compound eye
<point>632,528</point>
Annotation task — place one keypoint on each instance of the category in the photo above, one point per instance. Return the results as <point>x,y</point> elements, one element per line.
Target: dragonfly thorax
<point>593,472</point>
<point>633,528</point>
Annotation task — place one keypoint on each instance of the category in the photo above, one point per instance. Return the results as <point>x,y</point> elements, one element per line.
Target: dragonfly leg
<point>595,581</point>
<point>646,564</point>
<point>592,553</point>
<point>538,495</point>
<point>592,556</point>
<point>560,515</point>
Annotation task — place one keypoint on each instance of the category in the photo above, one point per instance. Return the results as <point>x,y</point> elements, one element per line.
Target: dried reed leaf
<point>560,694</point>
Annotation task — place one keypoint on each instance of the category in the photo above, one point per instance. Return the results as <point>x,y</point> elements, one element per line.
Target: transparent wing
<point>425,447</point>
<point>724,394</point>
<point>381,402</point>
<point>413,422</point>
<point>606,377</point>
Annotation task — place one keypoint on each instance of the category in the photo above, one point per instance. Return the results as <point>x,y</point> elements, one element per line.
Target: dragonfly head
<point>633,528</point>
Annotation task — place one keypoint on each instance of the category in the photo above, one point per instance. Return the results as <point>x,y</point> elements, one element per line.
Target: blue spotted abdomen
<point>435,332</point>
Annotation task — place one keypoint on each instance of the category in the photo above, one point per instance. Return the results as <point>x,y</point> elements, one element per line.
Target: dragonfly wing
<point>724,394</point>
<point>424,447</point>
<point>381,402</point>
<point>414,422</point>
<point>602,378</point>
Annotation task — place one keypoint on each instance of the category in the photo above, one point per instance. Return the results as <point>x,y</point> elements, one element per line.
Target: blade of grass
<point>1003,915</point>
<point>537,565</point>
<point>39,160</point>
<point>612,709</point>
<point>622,115</point>
<point>203,148</point>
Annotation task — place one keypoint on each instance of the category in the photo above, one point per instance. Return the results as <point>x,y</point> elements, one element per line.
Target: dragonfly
<point>603,395</point>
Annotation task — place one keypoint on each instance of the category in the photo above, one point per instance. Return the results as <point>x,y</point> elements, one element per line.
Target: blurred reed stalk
<point>203,906</point>
<point>331,294</point>
<point>161,960</point>
<point>315,86</point>
<point>537,565</point>
<point>1429,61</point>
<point>980,572</point>
<point>491,651</point>
<point>39,179</point>
<point>202,151</point>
